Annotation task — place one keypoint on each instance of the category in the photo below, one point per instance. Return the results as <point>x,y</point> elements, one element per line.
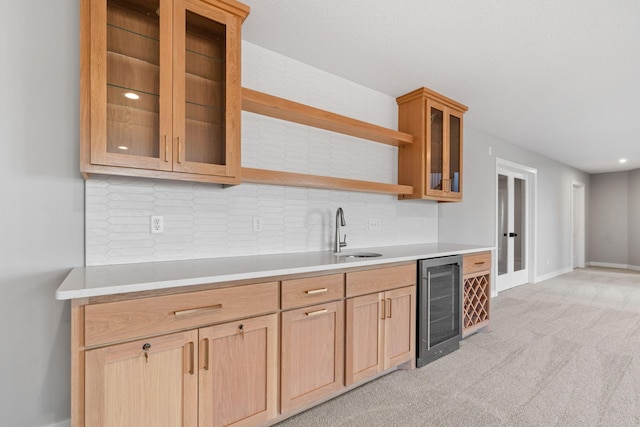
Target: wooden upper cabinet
<point>160,88</point>
<point>433,163</point>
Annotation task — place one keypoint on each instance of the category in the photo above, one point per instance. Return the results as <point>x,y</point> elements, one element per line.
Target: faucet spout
<point>338,244</point>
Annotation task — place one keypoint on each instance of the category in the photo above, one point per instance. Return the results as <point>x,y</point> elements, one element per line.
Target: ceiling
<point>558,77</point>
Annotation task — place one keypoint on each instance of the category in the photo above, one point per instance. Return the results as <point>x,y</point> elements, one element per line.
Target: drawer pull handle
<point>480,263</point>
<point>316,291</point>
<point>317,312</point>
<point>199,310</point>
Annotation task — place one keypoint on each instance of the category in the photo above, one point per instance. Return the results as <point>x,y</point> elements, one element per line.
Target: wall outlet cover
<point>157,224</point>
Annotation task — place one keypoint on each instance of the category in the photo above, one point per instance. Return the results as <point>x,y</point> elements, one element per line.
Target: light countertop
<point>85,282</point>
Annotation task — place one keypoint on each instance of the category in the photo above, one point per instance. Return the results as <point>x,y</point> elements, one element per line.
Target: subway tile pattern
<point>205,220</point>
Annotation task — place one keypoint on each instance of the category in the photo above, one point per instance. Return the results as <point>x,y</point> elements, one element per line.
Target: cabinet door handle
<point>316,291</point>
<point>166,149</point>
<point>206,354</point>
<point>384,309</point>
<point>317,312</point>
<point>191,358</point>
<point>199,310</point>
<point>179,151</point>
<point>389,306</point>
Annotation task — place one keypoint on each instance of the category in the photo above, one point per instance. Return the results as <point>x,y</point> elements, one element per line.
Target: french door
<point>513,208</point>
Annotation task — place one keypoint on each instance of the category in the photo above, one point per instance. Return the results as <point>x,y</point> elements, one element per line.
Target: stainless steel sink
<point>358,254</point>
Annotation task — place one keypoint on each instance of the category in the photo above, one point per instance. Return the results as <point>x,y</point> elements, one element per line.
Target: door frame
<point>578,207</point>
<point>532,219</point>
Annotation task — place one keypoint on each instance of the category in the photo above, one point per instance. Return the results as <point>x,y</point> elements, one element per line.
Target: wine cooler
<point>439,316</point>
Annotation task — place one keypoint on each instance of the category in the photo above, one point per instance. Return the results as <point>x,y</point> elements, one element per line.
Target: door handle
<point>513,234</point>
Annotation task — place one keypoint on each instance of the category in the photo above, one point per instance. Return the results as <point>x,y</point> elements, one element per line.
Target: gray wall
<point>615,227</point>
<point>41,211</point>
<point>609,218</point>
<point>634,218</point>
<point>473,220</point>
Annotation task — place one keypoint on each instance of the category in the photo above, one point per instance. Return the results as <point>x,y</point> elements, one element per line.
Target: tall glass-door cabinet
<point>433,163</point>
<point>160,88</point>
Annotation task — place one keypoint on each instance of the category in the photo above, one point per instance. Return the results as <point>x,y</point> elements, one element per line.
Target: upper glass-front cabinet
<point>161,88</point>
<point>433,163</point>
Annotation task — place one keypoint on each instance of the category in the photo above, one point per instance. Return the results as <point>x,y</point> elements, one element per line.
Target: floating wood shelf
<point>264,176</point>
<point>279,108</point>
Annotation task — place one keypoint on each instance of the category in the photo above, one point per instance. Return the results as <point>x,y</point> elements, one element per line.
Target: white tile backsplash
<point>204,220</point>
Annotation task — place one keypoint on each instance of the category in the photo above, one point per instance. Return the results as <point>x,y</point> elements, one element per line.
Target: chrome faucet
<point>337,244</point>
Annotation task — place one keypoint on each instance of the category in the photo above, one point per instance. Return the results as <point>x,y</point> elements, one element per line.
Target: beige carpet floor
<point>563,352</point>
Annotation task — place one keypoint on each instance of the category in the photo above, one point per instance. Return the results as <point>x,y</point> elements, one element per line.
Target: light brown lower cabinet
<point>238,372</point>
<point>380,332</point>
<point>149,382</point>
<point>184,359</point>
<point>222,375</point>
<point>312,354</point>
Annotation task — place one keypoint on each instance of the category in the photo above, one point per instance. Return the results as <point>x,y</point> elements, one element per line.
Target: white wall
<point>41,207</point>
<point>473,220</point>
<point>204,220</point>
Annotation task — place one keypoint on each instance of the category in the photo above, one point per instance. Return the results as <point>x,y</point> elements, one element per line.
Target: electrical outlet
<point>257,224</point>
<point>157,224</point>
<point>374,224</point>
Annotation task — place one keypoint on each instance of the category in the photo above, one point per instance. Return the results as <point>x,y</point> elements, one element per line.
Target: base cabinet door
<point>380,332</point>
<point>399,326</point>
<point>364,337</point>
<point>238,372</point>
<point>150,382</point>
<point>312,354</point>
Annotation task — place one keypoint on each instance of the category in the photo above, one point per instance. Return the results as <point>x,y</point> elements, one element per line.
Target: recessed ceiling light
<point>623,160</point>
<point>132,95</point>
<point>123,147</point>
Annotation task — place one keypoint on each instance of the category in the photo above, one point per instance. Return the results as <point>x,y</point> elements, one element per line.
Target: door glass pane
<point>519,212</point>
<point>454,150</point>
<point>503,223</point>
<point>205,90</point>
<point>444,303</point>
<point>437,139</point>
<point>133,77</point>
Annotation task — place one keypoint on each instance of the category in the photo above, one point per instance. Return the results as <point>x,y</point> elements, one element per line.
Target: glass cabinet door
<point>454,183</point>
<point>131,83</point>
<point>206,91</point>
<point>435,149</point>
<point>444,152</point>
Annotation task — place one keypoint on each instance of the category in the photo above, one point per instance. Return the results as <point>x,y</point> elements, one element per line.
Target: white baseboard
<point>613,265</point>
<point>553,274</point>
<point>66,423</point>
<point>608,265</point>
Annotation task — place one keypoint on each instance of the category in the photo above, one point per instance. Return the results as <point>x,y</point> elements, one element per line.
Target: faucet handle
<point>344,241</point>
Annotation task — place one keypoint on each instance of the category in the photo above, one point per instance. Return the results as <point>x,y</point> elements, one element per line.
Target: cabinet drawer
<point>380,279</point>
<point>473,263</point>
<point>301,292</point>
<point>122,320</point>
